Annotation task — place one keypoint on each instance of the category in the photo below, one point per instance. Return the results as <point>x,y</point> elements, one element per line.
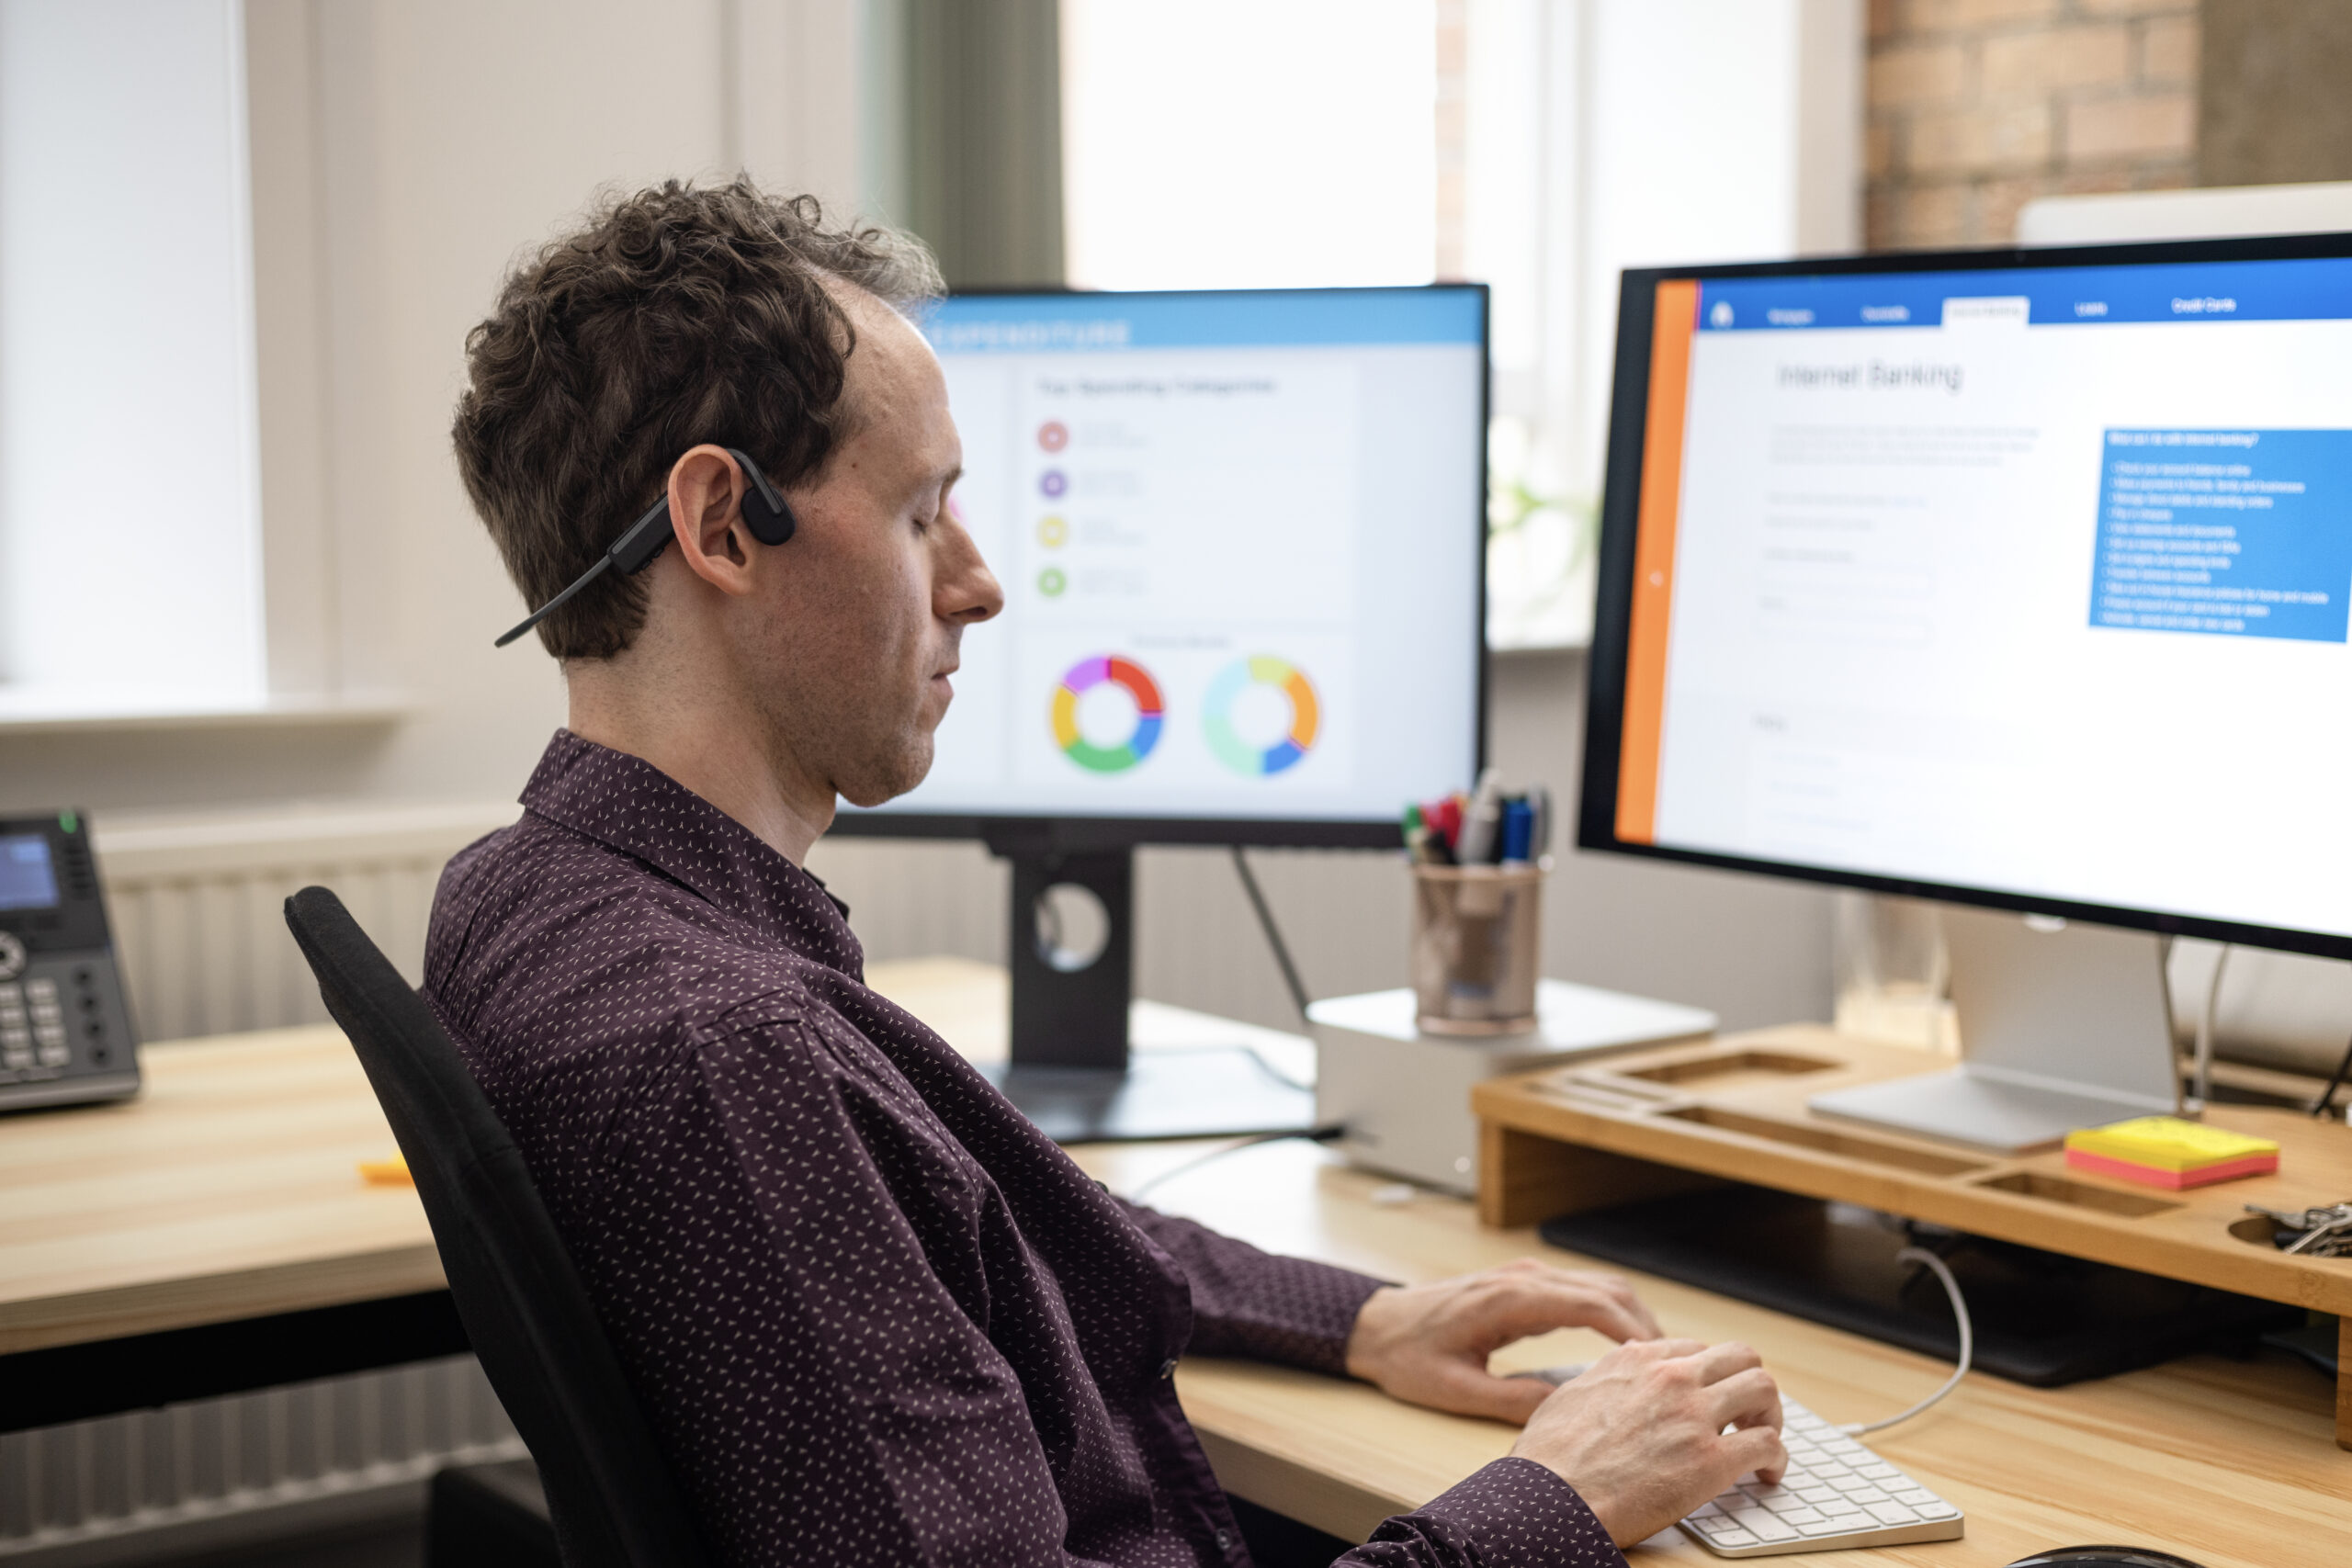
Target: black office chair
<point>610,1493</point>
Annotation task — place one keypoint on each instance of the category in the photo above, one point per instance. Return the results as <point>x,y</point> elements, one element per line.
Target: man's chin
<point>889,780</point>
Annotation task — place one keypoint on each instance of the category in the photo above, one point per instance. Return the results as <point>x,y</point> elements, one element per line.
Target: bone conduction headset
<point>765,513</point>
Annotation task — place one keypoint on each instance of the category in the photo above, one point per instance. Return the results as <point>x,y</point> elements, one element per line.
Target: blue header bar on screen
<point>2286,290</point>
<point>1081,323</point>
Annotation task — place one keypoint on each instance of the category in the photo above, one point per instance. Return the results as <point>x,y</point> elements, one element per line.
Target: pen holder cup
<point>1476,943</point>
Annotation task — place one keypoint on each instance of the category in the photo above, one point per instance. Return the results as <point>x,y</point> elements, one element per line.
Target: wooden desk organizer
<point>1673,1118</point>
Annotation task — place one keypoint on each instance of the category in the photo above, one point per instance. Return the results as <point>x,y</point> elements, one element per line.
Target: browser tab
<point>1987,310</point>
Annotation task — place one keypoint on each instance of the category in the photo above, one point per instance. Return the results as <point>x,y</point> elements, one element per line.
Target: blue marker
<point>1519,832</point>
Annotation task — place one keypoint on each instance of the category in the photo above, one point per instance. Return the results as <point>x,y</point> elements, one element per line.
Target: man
<point>875,1318</point>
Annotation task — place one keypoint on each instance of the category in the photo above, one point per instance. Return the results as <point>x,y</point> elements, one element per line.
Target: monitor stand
<point>1071,1072</point>
<point>2061,1025</point>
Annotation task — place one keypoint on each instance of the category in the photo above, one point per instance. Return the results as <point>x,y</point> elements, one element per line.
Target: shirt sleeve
<point>1513,1513</point>
<point>1256,1306</point>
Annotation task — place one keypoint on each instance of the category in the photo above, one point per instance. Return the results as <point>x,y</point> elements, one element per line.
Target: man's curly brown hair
<point>673,316</point>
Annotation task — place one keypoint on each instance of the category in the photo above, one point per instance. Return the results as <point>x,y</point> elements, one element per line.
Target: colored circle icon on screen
<point>1228,690</point>
<point>1052,482</point>
<point>1053,435</point>
<point>1128,676</point>
<point>1050,583</point>
<point>1053,532</point>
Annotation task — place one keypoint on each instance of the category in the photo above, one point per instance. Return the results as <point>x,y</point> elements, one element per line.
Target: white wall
<point>413,148</point>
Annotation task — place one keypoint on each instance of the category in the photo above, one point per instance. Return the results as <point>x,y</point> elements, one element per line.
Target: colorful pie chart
<point>1263,670</point>
<point>1150,712</point>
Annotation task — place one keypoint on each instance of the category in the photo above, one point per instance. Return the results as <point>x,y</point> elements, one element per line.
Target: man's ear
<point>707,518</point>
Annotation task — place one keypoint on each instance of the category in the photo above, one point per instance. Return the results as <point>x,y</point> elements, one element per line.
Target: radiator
<point>216,1474</point>
<point>198,904</point>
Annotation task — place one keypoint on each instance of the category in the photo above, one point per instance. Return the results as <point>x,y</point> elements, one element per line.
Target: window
<point>1540,146</point>
<point>1232,143</point>
<point>1307,142</point>
<point>130,508</point>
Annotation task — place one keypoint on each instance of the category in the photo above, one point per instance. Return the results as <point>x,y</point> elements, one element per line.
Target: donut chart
<point>1150,712</point>
<point>1262,670</point>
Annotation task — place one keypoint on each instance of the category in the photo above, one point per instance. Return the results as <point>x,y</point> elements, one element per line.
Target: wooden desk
<point>229,1192</point>
<point>2226,1463</point>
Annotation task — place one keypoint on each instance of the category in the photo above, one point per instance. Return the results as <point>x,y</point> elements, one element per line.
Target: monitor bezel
<point>1075,831</point>
<point>1620,520</point>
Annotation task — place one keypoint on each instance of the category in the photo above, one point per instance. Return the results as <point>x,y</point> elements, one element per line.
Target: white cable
<point>1318,1134</point>
<point>1967,1343</point>
<point>2200,1077</point>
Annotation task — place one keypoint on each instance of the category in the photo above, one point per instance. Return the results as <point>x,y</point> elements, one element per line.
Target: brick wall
<point>1977,107</point>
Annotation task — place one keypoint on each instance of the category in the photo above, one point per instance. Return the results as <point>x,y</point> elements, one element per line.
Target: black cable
<point>2326,1104</point>
<point>1273,933</point>
<point>559,602</point>
<point>1329,1133</point>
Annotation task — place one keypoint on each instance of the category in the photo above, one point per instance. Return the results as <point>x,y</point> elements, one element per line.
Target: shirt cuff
<point>1310,1311</point>
<point>1513,1513</point>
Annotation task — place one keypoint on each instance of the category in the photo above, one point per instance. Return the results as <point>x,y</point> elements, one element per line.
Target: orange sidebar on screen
<point>1675,321</point>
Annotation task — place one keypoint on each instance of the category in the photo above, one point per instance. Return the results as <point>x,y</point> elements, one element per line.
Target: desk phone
<point>65,1032</point>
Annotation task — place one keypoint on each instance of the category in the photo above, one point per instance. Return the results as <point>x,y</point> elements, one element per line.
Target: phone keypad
<point>16,1030</point>
<point>43,1017</point>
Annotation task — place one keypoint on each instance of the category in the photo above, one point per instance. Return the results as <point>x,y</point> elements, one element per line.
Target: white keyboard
<point>1835,1495</point>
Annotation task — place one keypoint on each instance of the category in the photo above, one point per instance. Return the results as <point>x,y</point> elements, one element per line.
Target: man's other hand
<point>1641,1434</point>
<point>1429,1344</point>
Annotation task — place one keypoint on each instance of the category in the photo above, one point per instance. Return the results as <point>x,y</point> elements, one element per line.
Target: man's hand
<point>1429,1344</point>
<point>1640,1435</point>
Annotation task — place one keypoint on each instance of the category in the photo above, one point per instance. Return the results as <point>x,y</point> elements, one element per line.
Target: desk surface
<point>228,1190</point>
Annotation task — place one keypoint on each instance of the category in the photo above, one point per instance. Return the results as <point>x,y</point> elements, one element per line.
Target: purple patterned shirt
<point>874,1316</point>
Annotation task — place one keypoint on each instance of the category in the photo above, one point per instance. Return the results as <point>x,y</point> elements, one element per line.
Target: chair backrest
<point>613,1496</point>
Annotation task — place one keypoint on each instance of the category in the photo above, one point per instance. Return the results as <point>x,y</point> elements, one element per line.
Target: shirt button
<point>1224,1541</point>
<point>1168,1368</point>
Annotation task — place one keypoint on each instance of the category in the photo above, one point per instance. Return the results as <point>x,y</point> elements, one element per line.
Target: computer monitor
<point>1241,536</point>
<point>2015,579</point>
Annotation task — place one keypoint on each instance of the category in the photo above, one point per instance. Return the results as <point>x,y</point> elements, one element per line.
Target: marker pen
<point>1519,831</point>
<point>1482,824</point>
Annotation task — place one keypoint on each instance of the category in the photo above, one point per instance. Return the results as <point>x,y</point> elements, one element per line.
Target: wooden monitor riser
<point>1671,1119</point>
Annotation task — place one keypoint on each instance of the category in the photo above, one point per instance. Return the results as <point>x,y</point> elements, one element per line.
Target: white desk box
<point>1405,1096</point>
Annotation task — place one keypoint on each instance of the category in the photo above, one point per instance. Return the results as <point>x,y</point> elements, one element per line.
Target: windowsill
<point>83,714</point>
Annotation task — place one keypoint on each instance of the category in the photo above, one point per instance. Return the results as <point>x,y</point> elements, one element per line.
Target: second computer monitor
<point>2017,577</point>
<point>1240,535</point>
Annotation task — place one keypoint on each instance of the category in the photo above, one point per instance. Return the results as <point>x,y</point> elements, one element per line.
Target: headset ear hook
<point>765,513</point>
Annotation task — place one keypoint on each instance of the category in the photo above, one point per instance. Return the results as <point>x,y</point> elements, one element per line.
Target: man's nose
<point>968,592</point>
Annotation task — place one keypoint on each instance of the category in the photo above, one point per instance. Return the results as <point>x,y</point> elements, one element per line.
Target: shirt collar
<point>628,803</point>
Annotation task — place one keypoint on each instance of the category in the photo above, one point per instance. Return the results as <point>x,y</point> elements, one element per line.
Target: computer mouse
<point>2103,1557</point>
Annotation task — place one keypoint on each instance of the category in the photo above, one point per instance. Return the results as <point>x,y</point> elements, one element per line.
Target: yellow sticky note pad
<point>2168,1143</point>
<point>2165,1151</point>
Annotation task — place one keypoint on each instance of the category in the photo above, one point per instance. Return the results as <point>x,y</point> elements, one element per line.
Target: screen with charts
<point>2028,581</point>
<point>1240,538</point>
